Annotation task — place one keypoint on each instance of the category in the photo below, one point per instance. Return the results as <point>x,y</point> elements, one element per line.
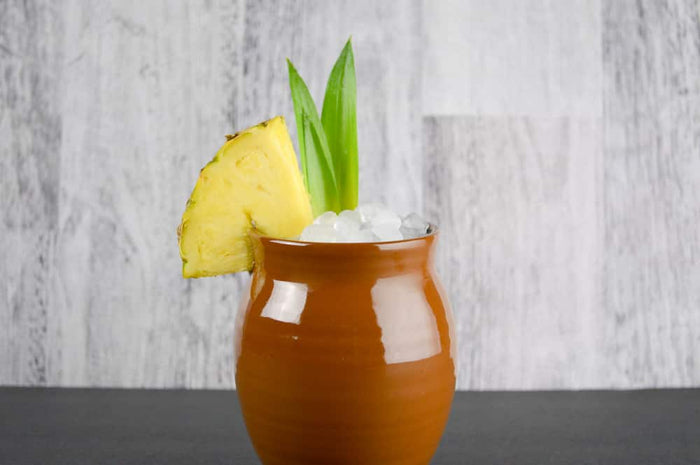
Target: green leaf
<point>339,120</point>
<point>316,161</point>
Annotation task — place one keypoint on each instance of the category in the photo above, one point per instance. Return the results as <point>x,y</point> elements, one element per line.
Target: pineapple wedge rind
<point>254,179</point>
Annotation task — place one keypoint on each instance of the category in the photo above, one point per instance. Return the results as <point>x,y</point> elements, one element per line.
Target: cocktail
<point>344,343</point>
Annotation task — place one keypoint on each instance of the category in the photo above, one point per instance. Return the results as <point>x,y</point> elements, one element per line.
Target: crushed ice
<point>371,222</point>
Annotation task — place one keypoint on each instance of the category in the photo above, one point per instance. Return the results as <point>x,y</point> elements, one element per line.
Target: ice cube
<point>318,233</point>
<point>375,214</point>
<point>367,236</point>
<point>413,226</point>
<point>387,218</point>
<point>369,210</point>
<point>358,235</point>
<point>347,222</point>
<point>351,215</point>
<point>387,232</point>
<point>326,218</point>
<point>415,221</point>
<point>370,222</point>
<point>411,233</point>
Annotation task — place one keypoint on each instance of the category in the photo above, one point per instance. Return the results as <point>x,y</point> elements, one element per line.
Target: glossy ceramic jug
<point>344,353</point>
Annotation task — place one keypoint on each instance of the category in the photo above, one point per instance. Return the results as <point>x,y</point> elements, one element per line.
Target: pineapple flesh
<point>253,181</point>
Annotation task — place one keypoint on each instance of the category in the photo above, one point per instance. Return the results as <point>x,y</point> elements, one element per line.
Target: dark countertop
<point>106,426</point>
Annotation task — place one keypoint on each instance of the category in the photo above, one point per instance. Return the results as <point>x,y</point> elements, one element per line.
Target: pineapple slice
<point>253,180</point>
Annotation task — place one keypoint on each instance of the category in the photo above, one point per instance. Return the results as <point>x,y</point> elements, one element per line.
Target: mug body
<point>344,353</point>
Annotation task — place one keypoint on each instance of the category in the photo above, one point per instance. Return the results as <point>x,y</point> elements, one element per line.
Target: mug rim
<point>433,231</point>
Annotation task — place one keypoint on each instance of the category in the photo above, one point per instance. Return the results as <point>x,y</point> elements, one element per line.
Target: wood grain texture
<point>103,138</point>
<point>651,201</point>
<point>145,106</point>
<point>512,57</point>
<point>30,131</point>
<point>556,143</point>
<point>516,202</point>
<point>130,100</point>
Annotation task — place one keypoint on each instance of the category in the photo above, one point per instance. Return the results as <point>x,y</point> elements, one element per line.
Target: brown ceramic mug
<point>344,353</point>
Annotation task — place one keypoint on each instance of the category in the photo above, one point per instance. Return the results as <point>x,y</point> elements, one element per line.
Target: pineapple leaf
<point>316,160</point>
<point>323,185</point>
<point>339,120</point>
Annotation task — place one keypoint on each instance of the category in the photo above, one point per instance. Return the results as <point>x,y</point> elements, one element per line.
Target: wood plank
<point>147,92</point>
<point>515,199</point>
<point>567,268</point>
<point>651,201</point>
<point>30,132</point>
<point>512,57</point>
<point>145,105</point>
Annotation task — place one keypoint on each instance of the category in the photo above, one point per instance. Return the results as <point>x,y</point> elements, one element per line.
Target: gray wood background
<point>557,143</point>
